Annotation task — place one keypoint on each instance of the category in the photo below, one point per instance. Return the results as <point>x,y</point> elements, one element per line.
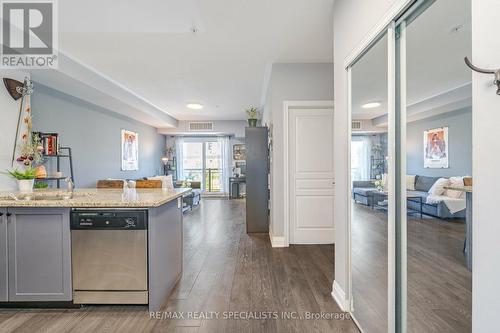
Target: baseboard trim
<point>276,241</point>
<point>338,295</point>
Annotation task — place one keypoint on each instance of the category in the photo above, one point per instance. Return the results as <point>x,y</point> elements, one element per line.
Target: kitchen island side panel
<point>165,237</point>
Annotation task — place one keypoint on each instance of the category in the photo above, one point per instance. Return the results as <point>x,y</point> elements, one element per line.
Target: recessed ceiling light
<point>371,105</point>
<point>194,106</point>
<point>457,28</point>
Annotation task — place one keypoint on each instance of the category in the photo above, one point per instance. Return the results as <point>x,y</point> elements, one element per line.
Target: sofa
<point>363,193</point>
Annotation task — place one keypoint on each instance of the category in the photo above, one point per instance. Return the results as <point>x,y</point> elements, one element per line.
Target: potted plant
<point>379,184</point>
<point>253,116</point>
<point>25,179</point>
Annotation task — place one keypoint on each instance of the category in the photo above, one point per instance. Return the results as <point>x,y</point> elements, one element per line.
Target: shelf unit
<point>171,168</point>
<point>64,152</point>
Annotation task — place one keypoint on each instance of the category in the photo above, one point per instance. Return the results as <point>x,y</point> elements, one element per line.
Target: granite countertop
<point>460,188</point>
<point>93,198</point>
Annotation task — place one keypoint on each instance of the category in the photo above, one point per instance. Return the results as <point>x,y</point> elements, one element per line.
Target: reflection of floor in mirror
<point>439,284</point>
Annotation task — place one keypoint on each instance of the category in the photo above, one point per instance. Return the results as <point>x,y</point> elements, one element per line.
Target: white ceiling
<point>435,67</point>
<point>148,47</point>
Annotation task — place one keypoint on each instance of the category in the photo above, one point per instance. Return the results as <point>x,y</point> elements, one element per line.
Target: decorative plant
<point>41,185</point>
<point>379,184</point>
<point>252,113</point>
<point>30,149</point>
<point>377,150</point>
<point>170,152</point>
<point>26,174</point>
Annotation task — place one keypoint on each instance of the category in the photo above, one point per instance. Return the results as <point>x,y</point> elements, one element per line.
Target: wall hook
<point>486,71</point>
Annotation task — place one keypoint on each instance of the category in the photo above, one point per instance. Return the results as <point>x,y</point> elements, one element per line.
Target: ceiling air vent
<point>201,126</point>
<point>356,125</point>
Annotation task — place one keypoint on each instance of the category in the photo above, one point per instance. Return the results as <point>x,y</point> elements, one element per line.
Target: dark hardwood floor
<point>439,284</point>
<point>224,270</point>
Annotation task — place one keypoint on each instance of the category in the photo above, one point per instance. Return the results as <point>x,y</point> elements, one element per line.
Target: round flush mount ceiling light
<point>456,29</point>
<point>194,106</point>
<point>371,105</point>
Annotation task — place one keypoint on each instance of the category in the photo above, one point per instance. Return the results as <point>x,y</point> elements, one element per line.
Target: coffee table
<point>380,202</point>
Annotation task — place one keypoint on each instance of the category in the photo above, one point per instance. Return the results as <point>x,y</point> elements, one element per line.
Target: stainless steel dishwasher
<point>109,256</point>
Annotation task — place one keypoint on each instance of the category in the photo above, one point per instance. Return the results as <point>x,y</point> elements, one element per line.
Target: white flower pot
<point>25,185</point>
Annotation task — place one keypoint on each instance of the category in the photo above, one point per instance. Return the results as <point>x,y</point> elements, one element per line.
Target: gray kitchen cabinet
<point>4,296</point>
<point>39,254</point>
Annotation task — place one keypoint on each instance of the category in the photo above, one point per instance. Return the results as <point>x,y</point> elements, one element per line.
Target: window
<point>202,162</point>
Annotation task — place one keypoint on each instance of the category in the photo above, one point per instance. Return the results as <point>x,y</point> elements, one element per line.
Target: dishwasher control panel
<point>109,219</point>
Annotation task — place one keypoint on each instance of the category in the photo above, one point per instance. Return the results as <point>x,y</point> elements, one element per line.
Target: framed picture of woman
<point>436,148</point>
<point>130,150</point>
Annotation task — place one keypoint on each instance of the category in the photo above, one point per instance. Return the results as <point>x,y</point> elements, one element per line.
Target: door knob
<point>9,214</point>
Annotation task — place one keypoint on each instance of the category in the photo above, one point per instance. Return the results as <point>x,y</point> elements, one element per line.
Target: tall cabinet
<point>257,163</point>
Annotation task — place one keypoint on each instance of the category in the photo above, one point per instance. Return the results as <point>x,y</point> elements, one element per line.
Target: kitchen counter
<point>468,221</point>
<point>36,232</point>
<point>93,198</point>
<point>460,188</point>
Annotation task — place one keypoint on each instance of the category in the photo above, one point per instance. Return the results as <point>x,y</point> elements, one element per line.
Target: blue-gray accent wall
<point>94,134</point>
<point>459,141</point>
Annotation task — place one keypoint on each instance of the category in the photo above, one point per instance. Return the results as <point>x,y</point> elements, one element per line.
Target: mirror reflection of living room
<point>424,179</point>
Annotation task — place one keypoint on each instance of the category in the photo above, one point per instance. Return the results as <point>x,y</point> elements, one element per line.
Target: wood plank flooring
<point>224,270</point>
<point>439,284</point>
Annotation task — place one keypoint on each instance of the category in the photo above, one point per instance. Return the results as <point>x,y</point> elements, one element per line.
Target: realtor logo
<point>29,35</point>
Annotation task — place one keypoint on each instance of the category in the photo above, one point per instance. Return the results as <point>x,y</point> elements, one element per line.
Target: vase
<point>25,185</point>
<point>252,122</point>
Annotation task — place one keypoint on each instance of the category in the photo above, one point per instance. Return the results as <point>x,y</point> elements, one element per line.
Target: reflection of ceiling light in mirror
<point>194,106</point>
<point>457,28</point>
<point>371,105</point>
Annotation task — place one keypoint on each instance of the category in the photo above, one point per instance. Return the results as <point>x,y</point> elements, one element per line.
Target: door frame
<point>287,106</point>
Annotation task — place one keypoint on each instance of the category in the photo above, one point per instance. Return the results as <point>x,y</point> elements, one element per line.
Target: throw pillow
<point>438,187</point>
<point>455,181</point>
<point>410,182</point>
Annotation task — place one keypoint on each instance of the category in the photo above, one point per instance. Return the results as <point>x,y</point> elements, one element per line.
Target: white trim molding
<point>339,296</point>
<point>396,9</point>
<point>287,105</point>
<point>276,241</point>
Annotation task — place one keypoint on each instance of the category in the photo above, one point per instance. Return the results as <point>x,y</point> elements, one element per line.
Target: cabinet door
<point>3,256</point>
<point>39,254</point>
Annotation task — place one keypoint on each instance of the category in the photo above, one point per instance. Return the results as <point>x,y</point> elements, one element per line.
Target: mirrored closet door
<point>410,99</point>
<point>435,138</point>
<point>370,197</point>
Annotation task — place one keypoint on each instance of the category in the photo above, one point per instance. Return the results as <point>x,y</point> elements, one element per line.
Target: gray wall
<point>9,112</point>
<point>290,82</point>
<point>459,139</point>
<point>93,133</point>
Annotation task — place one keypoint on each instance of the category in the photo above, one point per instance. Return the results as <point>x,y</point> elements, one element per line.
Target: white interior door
<point>311,176</point>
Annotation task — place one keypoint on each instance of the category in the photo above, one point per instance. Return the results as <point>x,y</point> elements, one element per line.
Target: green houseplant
<point>253,116</point>
<point>25,178</point>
